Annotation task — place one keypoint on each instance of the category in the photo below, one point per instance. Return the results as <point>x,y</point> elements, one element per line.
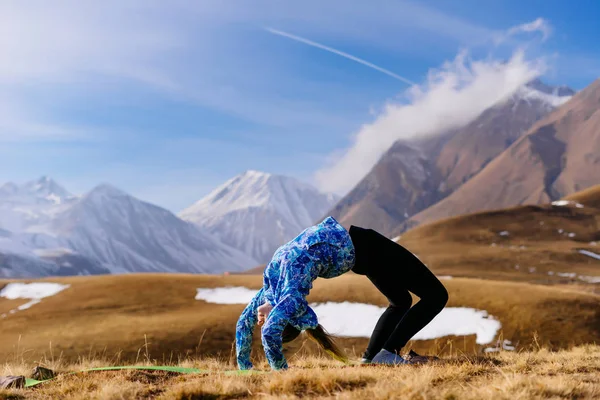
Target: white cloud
<point>538,25</point>
<point>63,41</point>
<point>189,51</point>
<point>452,96</point>
<point>182,51</point>
<point>70,46</point>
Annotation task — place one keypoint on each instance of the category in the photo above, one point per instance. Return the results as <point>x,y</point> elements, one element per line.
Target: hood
<point>343,256</point>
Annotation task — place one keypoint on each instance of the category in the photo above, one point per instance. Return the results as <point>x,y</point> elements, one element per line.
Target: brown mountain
<point>556,242</point>
<point>473,147</point>
<point>413,175</point>
<point>559,155</point>
<point>401,184</point>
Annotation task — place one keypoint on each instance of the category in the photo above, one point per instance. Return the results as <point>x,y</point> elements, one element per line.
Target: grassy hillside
<point>590,197</point>
<point>126,318</point>
<point>533,374</point>
<point>538,244</point>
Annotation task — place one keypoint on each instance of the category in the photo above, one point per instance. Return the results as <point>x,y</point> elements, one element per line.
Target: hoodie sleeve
<point>245,328</point>
<point>298,273</point>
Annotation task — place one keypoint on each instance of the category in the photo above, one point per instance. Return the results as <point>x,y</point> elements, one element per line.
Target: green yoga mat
<point>33,382</point>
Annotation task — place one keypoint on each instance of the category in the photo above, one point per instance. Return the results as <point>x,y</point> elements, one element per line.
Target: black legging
<point>395,271</point>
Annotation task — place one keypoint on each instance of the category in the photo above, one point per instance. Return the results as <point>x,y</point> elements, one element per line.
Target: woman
<point>328,250</point>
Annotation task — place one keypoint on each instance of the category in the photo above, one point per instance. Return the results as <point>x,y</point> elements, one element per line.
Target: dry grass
<point>155,318</point>
<point>538,243</point>
<point>590,197</point>
<point>534,374</point>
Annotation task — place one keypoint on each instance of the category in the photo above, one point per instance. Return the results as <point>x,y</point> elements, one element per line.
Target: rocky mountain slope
<point>257,212</point>
<point>414,175</point>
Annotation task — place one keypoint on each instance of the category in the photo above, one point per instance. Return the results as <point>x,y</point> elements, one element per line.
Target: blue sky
<point>166,100</point>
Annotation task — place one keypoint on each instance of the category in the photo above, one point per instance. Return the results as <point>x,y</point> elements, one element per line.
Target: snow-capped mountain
<point>31,255</point>
<point>562,91</point>
<point>128,235</point>
<point>31,203</point>
<point>47,231</point>
<point>543,95</point>
<point>257,212</point>
<point>556,157</point>
<point>415,174</point>
<point>40,191</point>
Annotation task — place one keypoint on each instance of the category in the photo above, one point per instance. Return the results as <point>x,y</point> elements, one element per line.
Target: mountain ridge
<point>387,197</point>
<point>557,156</point>
<point>257,211</point>
<point>107,230</point>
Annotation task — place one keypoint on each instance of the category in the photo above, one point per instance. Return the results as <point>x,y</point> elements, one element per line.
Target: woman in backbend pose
<point>327,250</point>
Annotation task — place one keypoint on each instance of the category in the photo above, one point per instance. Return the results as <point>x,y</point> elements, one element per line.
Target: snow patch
<point>567,274</point>
<point>504,233</point>
<point>590,279</point>
<point>53,198</point>
<point>34,292</point>
<point>590,254</point>
<point>562,203</point>
<point>349,319</point>
<point>226,295</point>
<point>505,345</point>
<point>61,251</point>
<point>358,320</point>
<point>551,99</point>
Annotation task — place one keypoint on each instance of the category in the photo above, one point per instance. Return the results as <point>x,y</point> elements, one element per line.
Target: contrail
<point>339,53</point>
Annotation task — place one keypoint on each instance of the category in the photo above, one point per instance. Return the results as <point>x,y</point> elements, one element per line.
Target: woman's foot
<point>389,358</point>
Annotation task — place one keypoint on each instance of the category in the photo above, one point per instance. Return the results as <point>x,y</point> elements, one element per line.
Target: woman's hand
<point>263,312</point>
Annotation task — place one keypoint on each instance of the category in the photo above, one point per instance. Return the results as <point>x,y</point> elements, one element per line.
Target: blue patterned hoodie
<point>324,250</point>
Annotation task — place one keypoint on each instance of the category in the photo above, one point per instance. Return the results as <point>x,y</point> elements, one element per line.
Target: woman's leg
<point>400,302</point>
<point>433,296</point>
<point>383,260</point>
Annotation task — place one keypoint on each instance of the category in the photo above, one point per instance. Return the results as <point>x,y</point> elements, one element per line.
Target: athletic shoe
<point>365,361</point>
<point>387,357</point>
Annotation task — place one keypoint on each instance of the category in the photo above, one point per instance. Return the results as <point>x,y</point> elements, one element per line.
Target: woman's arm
<point>289,306</point>
<point>245,328</point>
<point>299,273</point>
